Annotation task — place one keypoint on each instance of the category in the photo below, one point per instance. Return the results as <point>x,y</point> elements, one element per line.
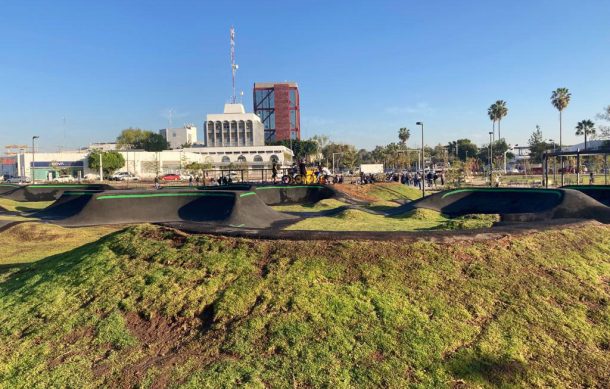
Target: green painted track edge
<point>600,187</point>
<point>55,186</point>
<point>247,194</point>
<point>289,187</point>
<point>194,194</point>
<point>507,190</point>
<point>80,193</point>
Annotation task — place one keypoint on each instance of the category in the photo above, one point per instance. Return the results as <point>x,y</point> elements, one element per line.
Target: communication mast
<point>234,66</point>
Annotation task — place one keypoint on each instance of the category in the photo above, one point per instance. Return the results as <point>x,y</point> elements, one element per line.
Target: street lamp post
<point>510,148</point>
<point>554,163</point>
<point>491,158</point>
<point>33,157</point>
<point>423,182</point>
<point>334,170</point>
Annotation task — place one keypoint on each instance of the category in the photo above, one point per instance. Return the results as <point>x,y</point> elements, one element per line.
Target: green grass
<point>394,192</point>
<point>322,205</point>
<point>419,219</point>
<point>151,307</point>
<point>23,206</point>
<point>30,242</point>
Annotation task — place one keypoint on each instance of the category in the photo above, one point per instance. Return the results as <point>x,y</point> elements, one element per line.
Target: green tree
<point>136,138</point>
<point>155,142</point>
<point>302,149</point>
<point>500,112</point>
<point>465,149</point>
<point>585,127</point>
<point>537,146</point>
<point>605,130</point>
<point>560,98</point>
<point>404,134</point>
<point>350,158</point>
<point>132,138</point>
<point>111,161</point>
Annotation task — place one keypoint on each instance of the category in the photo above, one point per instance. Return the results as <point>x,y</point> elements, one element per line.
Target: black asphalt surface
<point>600,193</point>
<point>45,192</point>
<point>244,209</point>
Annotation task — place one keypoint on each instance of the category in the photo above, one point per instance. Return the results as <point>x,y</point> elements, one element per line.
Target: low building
<point>178,137</point>
<point>147,164</point>
<point>234,128</point>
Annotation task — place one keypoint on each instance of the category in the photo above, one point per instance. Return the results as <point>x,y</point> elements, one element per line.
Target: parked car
<point>124,176</point>
<point>64,178</point>
<point>91,177</point>
<point>19,180</point>
<point>170,177</point>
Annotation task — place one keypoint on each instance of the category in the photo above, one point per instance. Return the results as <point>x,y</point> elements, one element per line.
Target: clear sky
<point>364,68</point>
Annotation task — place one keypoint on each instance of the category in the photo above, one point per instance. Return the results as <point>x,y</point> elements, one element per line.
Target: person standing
<point>157,185</point>
<point>190,180</point>
<point>302,168</point>
<point>274,171</point>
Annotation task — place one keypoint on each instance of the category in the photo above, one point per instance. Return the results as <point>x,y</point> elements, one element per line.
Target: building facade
<point>45,166</point>
<point>233,128</point>
<point>278,106</point>
<point>177,137</point>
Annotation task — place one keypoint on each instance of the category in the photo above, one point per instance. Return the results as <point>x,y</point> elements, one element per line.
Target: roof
<point>260,85</point>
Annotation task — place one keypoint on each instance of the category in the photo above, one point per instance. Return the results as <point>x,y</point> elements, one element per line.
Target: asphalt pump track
<point>244,209</point>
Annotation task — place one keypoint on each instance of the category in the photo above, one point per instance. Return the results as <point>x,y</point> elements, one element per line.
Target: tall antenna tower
<point>234,66</point>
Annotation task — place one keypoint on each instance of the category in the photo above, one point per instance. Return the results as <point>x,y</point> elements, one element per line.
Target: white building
<point>147,164</point>
<point>177,137</point>
<point>234,128</point>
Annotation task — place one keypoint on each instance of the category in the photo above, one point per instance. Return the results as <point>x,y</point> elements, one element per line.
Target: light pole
<point>423,182</point>
<point>334,170</point>
<point>554,163</point>
<point>491,158</point>
<point>33,157</point>
<point>510,148</point>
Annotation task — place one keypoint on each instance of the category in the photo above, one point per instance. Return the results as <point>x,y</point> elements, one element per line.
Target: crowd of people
<point>431,179</point>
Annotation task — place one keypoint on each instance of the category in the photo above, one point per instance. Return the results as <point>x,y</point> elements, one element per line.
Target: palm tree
<point>492,113</point>
<point>501,111</point>
<point>585,127</point>
<point>404,134</point>
<point>560,98</point>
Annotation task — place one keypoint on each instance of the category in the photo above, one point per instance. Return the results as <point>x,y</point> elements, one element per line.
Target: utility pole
<point>101,169</point>
<point>423,180</point>
<point>491,158</point>
<point>234,66</point>
<point>33,157</point>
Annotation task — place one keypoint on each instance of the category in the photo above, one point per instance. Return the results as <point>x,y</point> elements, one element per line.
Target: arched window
<point>258,158</point>
<point>274,158</point>
<point>241,159</point>
<point>226,159</point>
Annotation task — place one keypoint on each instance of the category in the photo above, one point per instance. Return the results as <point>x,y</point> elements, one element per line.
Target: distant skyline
<point>364,69</point>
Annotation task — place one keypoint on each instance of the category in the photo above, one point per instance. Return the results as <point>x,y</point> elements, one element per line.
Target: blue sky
<point>364,68</point>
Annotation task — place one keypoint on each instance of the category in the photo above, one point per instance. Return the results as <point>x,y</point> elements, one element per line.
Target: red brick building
<point>277,104</point>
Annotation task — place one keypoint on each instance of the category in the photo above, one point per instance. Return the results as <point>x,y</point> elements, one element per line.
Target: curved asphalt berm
<point>45,192</point>
<point>226,208</point>
<point>275,194</point>
<point>513,204</point>
<point>600,193</point>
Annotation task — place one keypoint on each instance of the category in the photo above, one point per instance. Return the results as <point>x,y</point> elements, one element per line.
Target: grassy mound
<point>23,206</point>
<point>418,219</point>
<point>322,205</point>
<point>381,191</point>
<point>28,242</point>
<point>152,307</point>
